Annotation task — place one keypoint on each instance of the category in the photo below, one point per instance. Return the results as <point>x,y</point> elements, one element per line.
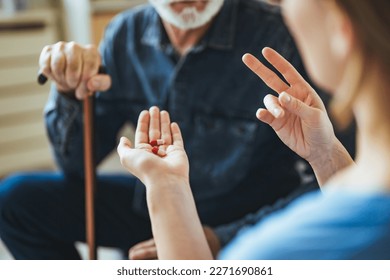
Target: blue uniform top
<point>335,225</point>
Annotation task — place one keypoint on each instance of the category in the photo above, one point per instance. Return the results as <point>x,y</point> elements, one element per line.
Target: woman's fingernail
<point>277,112</point>
<point>285,97</point>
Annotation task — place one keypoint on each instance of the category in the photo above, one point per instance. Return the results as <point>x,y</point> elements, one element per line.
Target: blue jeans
<point>42,215</point>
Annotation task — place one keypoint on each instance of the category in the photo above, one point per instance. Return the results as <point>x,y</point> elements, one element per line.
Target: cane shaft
<point>90,176</point>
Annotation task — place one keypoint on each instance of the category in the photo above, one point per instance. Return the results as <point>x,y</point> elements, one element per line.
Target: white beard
<point>188,18</point>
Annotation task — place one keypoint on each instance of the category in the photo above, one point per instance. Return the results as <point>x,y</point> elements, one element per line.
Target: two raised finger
<point>284,67</point>
<point>272,80</point>
<point>269,77</point>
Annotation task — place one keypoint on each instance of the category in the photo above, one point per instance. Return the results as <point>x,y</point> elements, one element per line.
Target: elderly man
<point>181,56</point>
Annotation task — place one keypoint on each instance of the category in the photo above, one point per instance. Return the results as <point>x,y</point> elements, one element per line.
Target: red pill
<point>157,142</point>
<point>157,151</point>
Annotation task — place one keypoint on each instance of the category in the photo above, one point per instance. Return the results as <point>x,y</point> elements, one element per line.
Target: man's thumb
<point>99,82</point>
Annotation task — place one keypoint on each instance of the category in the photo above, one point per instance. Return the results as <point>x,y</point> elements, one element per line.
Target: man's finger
<point>143,250</point>
<point>149,253</point>
<point>146,243</point>
<point>45,61</point>
<point>74,62</point>
<point>99,82</point>
<point>58,63</point>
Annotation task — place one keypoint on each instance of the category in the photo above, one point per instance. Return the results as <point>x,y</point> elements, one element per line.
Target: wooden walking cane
<point>90,168</point>
<point>90,175</point>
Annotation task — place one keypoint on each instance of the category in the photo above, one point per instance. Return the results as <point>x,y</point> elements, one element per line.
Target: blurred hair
<point>371,25</point>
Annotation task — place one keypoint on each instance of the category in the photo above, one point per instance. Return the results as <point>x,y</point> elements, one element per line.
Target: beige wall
<point>23,141</point>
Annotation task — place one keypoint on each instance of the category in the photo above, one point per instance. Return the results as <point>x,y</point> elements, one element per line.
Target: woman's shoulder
<point>334,225</point>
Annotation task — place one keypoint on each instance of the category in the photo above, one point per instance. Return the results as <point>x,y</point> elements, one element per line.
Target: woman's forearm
<point>328,164</point>
<point>176,226</point>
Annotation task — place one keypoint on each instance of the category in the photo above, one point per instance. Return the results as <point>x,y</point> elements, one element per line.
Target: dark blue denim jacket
<point>237,163</point>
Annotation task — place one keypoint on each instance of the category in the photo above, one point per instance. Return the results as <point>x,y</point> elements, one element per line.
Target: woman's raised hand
<point>153,162</point>
<point>297,114</point>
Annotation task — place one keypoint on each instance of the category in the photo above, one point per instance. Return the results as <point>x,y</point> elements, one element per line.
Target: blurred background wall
<point>26,26</point>
<point>24,30</point>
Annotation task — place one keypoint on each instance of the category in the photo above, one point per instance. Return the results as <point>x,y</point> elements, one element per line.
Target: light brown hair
<point>371,25</point>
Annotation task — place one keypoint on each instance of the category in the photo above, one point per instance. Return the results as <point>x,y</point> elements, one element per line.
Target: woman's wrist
<point>166,191</point>
<point>165,182</point>
<point>330,161</point>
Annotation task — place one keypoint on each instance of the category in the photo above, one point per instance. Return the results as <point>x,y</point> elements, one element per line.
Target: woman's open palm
<point>147,161</point>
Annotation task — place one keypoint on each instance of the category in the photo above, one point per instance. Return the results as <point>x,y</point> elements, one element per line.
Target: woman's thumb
<point>123,146</point>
